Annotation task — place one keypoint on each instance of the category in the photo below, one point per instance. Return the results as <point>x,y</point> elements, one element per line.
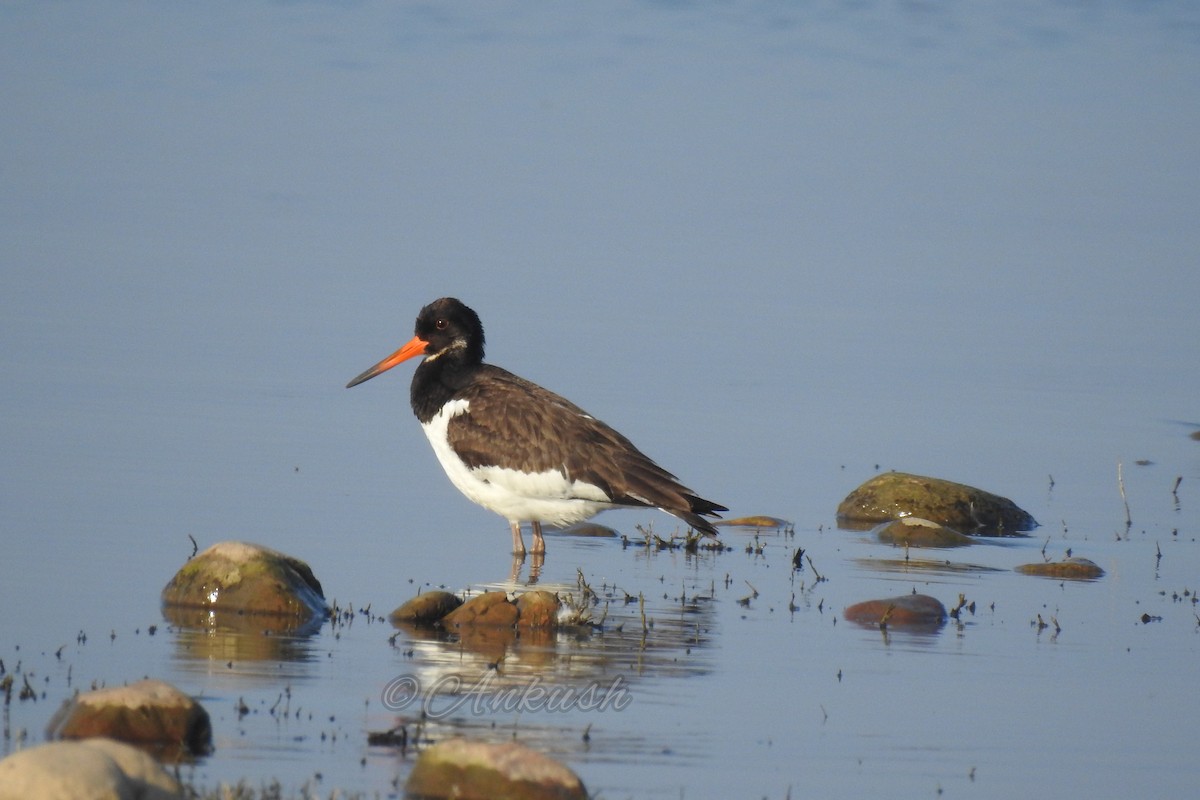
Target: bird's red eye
<point>440,324</point>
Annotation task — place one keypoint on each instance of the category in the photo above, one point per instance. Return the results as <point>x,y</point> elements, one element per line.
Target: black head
<point>445,328</point>
<point>448,326</point>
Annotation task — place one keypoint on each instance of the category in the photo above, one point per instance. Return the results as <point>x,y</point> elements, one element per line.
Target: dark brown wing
<point>537,430</point>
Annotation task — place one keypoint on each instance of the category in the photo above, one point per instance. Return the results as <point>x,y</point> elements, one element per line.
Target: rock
<point>91,769</point>
<point>149,712</point>
<point>492,609</point>
<point>905,610</point>
<point>917,532</point>
<point>538,609</point>
<point>469,770</point>
<point>894,495</point>
<point>754,521</point>
<point>1074,569</point>
<point>242,578</point>
<point>588,529</point>
<point>426,608</point>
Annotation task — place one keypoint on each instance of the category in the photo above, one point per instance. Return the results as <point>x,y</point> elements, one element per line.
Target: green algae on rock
<point>1073,569</point>
<point>243,578</point>
<point>149,712</point>
<point>470,770</point>
<point>894,495</point>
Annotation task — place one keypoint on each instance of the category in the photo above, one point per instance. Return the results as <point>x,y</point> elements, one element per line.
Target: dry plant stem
<point>1124,499</point>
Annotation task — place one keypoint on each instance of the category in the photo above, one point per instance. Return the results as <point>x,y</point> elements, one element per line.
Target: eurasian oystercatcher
<point>518,449</point>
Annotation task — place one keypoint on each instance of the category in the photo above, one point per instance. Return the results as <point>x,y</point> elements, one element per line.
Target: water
<point>779,246</point>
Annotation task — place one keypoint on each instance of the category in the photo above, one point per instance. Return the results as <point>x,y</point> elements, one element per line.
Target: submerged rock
<point>918,532</point>
<point>458,768</point>
<point>491,609</point>
<point>149,712</point>
<point>1074,569</point>
<point>243,578</point>
<point>905,610</point>
<point>894,495</point>
<point>95,769</point>
<point>426,608</point>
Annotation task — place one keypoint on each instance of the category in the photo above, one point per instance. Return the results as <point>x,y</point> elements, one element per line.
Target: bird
<point>519,449</point>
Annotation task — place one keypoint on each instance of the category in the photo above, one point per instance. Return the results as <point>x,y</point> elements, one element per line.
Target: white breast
<point>517,496</point>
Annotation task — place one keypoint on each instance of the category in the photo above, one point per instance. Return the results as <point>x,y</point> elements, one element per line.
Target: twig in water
<point>1124,499</point>
<point>883,622</point>
<point>813,567</point>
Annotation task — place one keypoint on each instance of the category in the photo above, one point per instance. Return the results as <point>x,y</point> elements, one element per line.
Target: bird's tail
<point>699,508</point>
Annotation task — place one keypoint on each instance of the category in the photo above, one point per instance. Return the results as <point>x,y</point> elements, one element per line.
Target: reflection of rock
<point>917,532</point>
<point>241,578</point>
<point>148,712</point>
<point>426,609</point>
<point>1077,569</point>
<point>905,610</point>
<point>893,495</point>
<point>209,636</point>
<point>480,771</point>
<point>92,768</point>
<point>673,642</point>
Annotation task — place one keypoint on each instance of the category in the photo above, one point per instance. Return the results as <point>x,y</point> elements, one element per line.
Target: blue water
<point>780,246</point>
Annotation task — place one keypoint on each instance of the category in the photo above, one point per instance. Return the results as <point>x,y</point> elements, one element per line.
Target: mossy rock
<point>895,495</point>
<point>1072,569</point>
<point>917,532</point>
<point>242,578</point>
<point>426,608</point>
<point>467,770</point>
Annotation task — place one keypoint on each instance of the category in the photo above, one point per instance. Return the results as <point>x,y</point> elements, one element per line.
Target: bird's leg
<point>518,542</point>
<point>535,568</point>
<point>539,544</point>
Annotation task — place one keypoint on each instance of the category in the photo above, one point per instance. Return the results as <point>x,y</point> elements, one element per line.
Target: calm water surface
<point>781,247</point>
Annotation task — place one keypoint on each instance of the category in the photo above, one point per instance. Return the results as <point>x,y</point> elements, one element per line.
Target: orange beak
<point>415,347</point>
